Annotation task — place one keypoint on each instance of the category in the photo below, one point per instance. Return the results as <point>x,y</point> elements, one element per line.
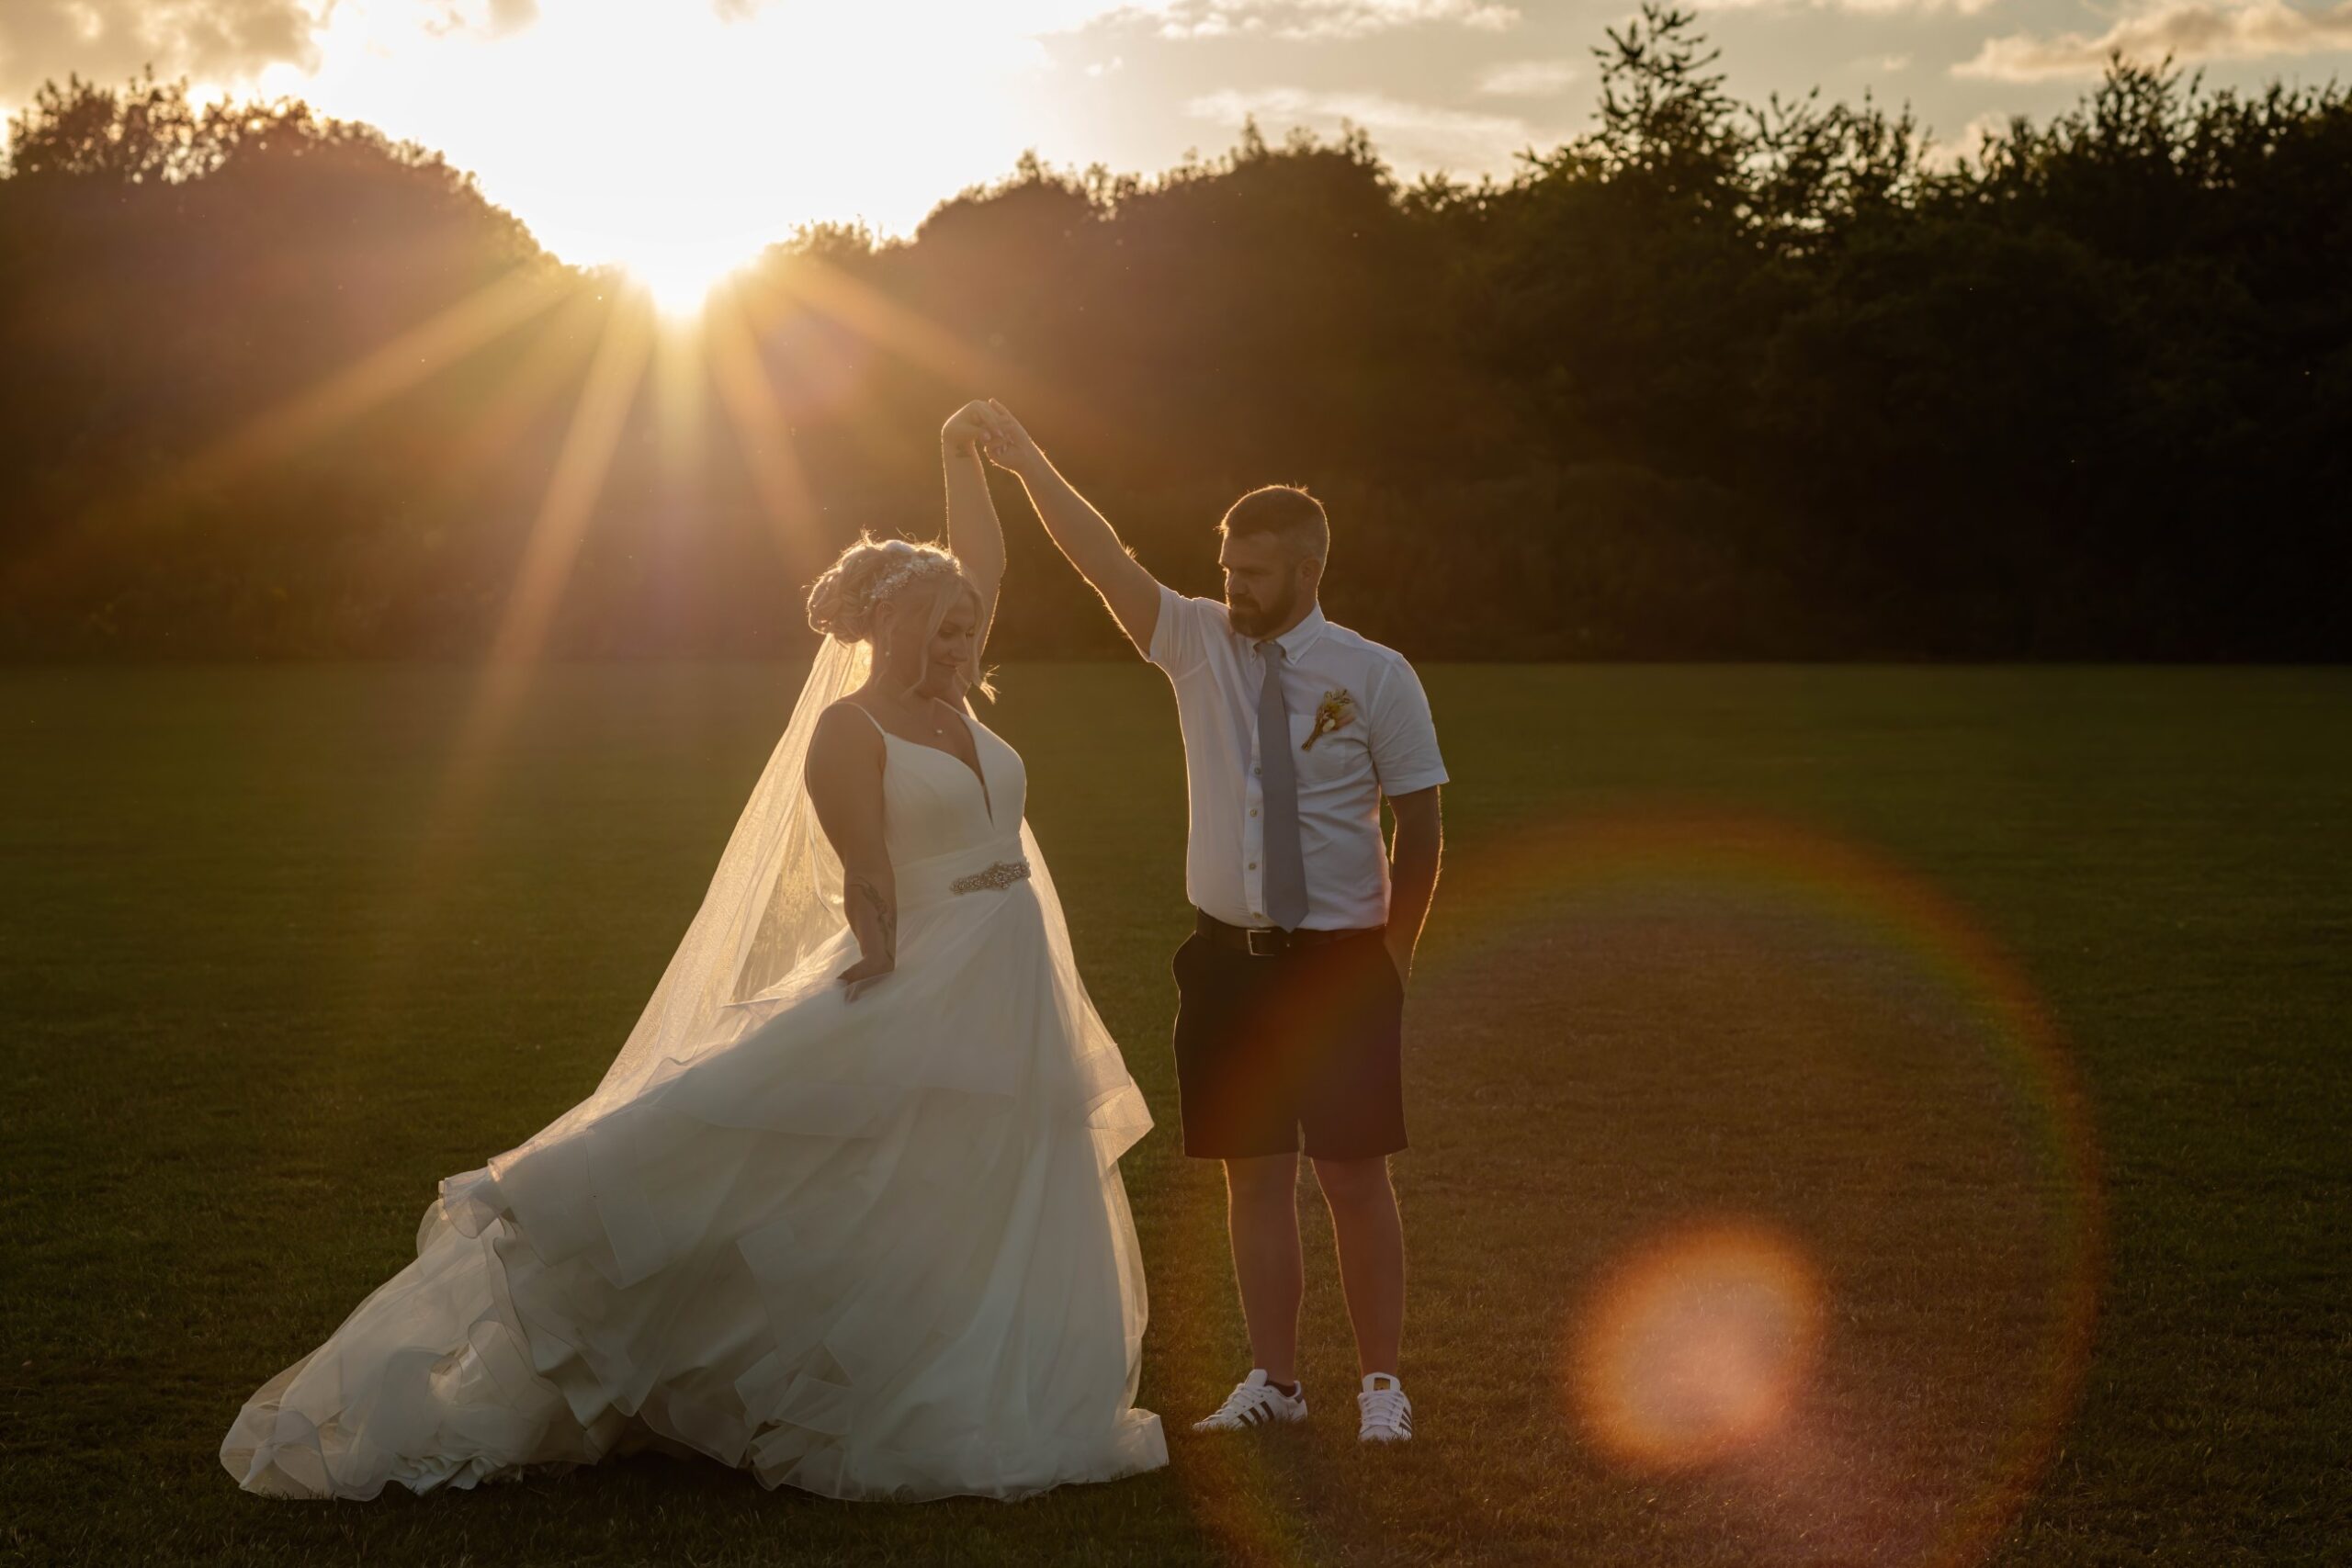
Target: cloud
<point>1413,136</point>
<point>1527,78</point>
<point>1865,7</point>
<point>483,19</point>
<point>2186,29</point>
<point>1954,151</point>
<point>1313,20</point>
<point>111,41</point>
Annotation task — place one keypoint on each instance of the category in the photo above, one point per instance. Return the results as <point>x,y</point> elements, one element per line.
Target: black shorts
<point>1308,1041</point>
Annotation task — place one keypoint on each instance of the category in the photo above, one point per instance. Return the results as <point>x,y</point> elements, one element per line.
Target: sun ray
<point>403,362</point>
<point>762,429</point>
<point>558,352</point>
<point>853,405</point>
<point>916,338</point>
<point>384,372</point>
<point>680,398</point>
<point>573,486</point>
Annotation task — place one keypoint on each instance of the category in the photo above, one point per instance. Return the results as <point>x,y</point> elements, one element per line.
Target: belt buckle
<point>1270,933</point>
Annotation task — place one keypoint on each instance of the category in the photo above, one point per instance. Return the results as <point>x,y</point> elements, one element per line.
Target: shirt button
<point>1253,866</point>
<point>1257,772</point>
<point>1254,812</point>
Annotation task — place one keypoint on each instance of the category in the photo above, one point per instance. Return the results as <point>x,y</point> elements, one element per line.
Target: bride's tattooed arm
<point>870,908</point>
<point>844,775</point>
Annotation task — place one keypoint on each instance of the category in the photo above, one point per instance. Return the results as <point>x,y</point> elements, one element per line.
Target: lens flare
<point>1697,1347</point>
<point>1802,1152</point>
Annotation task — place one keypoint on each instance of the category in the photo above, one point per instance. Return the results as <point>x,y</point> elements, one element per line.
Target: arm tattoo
<point>885,918</point>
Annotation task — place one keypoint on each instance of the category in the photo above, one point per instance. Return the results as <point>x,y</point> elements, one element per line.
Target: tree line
<point>1715,379</point>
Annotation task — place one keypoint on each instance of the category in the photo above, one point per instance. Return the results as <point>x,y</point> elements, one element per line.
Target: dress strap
<point>869,717</point>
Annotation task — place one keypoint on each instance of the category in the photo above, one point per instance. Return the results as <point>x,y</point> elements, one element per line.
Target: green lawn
<point>1992,995</point>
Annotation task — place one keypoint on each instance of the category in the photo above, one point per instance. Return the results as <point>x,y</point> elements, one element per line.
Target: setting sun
<point>677,143</point>
<point>678,280</point>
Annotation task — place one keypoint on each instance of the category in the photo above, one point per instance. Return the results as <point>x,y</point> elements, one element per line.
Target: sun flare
<point>678,142</point>
<point>680,280</point>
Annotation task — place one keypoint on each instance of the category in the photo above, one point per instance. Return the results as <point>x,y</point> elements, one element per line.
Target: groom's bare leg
<point>1371,1239</point>
<point>1261,1216</point>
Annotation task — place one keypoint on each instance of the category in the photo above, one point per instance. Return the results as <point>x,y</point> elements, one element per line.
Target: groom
<point>1291,988</point>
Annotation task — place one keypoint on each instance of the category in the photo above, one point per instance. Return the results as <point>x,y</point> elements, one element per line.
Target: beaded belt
<point>1003,874</point>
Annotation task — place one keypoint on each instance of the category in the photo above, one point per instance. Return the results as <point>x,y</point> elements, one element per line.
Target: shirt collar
<point>1301,638</point>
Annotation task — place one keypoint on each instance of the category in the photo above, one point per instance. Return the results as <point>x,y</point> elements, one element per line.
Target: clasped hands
<point>986,427</point>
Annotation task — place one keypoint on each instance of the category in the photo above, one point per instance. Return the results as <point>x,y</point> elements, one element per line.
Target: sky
<point>678,137</point>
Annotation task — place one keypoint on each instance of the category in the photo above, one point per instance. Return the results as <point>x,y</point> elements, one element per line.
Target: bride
<point>846,1209</point>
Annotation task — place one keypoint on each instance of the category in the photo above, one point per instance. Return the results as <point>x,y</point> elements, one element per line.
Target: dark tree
<point>1711,379</point>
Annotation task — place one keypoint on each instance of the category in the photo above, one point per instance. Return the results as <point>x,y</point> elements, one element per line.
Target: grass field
<point>1984,1029</point>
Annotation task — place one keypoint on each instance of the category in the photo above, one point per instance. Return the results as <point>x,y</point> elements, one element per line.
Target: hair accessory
<point>923,563</point>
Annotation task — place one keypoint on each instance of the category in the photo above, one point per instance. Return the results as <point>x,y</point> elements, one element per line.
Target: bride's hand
<point>968,427</point>
<point>867,973</point>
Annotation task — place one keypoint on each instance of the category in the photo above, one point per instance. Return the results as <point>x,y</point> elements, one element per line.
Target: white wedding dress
<point>870,1249</point>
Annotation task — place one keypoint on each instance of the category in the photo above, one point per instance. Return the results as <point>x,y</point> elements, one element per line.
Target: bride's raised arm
<point>973,530</point>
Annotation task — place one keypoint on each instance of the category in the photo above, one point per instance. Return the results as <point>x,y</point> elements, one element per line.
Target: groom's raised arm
<point>1082,533</point>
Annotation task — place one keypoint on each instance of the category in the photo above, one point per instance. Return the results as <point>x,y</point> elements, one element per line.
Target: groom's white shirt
<point>1387,747</point>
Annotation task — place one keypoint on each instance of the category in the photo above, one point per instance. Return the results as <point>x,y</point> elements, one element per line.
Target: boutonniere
<point>1336,709</point>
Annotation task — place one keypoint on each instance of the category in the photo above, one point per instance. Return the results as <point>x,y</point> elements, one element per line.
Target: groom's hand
<point>1009,446</point>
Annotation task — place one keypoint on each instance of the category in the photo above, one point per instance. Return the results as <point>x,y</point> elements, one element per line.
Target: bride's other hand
<point>867,973</point>
<point>968,427</point>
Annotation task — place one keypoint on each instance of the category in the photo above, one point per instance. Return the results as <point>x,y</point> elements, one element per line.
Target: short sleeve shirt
<point>1377,739</point>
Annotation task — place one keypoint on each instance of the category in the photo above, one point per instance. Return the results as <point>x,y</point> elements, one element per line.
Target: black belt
<point>1268,941</point>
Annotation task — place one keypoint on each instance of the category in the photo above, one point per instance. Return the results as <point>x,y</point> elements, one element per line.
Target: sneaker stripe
<point>1252,1404</point>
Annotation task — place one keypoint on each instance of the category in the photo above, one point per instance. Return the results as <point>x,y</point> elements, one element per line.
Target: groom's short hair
<point>1287,513</point>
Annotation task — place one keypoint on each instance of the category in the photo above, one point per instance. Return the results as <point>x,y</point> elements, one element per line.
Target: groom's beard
<point>1251,618</point>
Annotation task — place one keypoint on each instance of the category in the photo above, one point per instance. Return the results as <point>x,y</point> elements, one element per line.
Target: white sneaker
<point>1387,1414</point>
<point>1254,1401</point>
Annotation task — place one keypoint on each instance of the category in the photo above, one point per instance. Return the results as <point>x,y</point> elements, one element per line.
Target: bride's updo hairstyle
<point>923,581</point>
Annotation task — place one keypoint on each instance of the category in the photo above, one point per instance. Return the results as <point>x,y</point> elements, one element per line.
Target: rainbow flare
<point>1760,1298</point>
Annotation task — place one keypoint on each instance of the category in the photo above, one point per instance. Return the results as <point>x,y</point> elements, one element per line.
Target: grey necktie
<point>1286,882</point>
